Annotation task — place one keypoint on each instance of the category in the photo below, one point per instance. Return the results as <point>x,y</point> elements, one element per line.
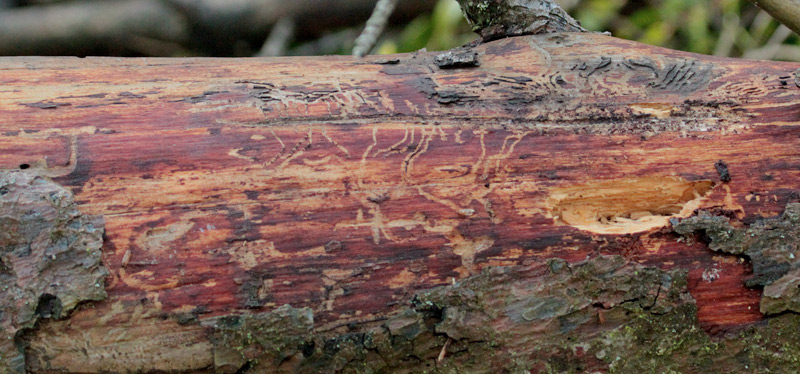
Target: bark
<point>546,203</point>
<point>502,18</point>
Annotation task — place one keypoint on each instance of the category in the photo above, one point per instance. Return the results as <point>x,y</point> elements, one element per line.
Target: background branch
<point>785,11</point>
<point>208,27</point>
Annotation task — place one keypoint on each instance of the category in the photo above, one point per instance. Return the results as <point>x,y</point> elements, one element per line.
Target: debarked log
<point>553,203</point>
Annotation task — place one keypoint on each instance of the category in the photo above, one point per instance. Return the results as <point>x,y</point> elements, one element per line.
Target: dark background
<point>236,28</point>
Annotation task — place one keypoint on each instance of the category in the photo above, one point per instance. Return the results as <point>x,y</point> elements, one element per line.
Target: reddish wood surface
<point>346,185</point>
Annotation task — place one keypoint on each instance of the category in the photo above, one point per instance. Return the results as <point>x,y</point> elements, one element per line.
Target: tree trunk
<point>535,204</point>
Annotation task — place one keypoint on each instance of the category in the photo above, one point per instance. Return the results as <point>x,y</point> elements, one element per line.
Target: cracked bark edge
<point>50,259</point>
<point>772,246</point>
<point>602,314</point>
<point>483,324</point>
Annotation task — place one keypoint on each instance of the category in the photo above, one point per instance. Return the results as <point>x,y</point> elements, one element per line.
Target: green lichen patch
<point>495,19</point>
<point>49,258</point>
<point>770,348</point>
<point>772,245</point>
<point>259,341</point>
<point>674,343</point>
<point>669,343</point>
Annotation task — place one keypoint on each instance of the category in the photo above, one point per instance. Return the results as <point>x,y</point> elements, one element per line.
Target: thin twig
<point>444,350</point>
<point>375,25</point>
<point>328,44</point>
<point>773,46</point>
<point>786,12</point>
<point>727,35</point>
<point>277,41</point>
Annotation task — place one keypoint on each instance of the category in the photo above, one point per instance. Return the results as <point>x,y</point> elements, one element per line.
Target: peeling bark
<point>489,318</point>
<point>49,259</point>
<point>772,247</point>
<point>504,206</point>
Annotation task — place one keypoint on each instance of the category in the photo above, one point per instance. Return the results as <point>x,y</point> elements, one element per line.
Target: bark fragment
<point>49,258</point>
<point>464,58</point>
<point>722,169</point>
<point>495,19</point>
<point>260,341</point>
<point>772,246</point>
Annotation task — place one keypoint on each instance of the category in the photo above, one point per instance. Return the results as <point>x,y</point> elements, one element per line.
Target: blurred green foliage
<point>733,28</point>
<point>445,28</point>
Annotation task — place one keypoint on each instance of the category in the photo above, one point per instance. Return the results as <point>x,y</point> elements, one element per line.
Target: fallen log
<point>546,203</point>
